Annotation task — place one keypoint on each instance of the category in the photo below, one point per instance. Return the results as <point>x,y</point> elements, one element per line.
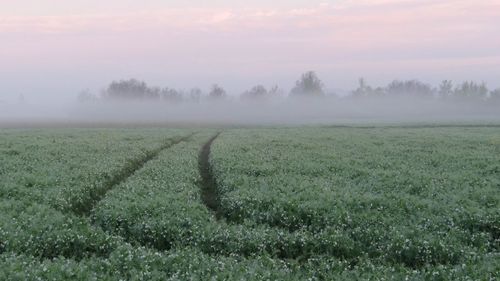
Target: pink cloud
<point>385,15</point>
<point>354,34</point>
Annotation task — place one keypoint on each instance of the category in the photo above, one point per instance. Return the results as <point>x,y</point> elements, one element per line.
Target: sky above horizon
<point>57,48</point>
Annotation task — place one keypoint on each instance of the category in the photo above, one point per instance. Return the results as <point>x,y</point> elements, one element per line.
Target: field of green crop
<point>297,203</point>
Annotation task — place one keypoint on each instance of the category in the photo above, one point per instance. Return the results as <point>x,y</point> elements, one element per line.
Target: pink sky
<point>60,47</point>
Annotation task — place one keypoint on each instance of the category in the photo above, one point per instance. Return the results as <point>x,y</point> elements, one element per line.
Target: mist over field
<point>51,52</point>
<point>134,102</point>
<point>236,112</point>
<point>287,112</point>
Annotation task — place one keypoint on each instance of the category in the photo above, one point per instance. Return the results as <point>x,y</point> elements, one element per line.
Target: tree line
<point>307,86</point>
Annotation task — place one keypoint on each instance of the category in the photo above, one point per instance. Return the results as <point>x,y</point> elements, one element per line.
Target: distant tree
<point>257,92</point>
<point>131,89</point>
<point>154,93</point>
<point>85,96</point>
<point>471,90</point>
<point>445,89</point>
<point>412,88</point>
<point>379,92</point>
<point>171,95</point>
<point>309,85</point>
<point>195,95</point>
<point>363,89</point>
<point>495,95</point>
<point>275,91</point>
<point>217,92</point>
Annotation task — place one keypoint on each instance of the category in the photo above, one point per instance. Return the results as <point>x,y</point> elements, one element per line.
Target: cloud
<point>407,29</point>
<point>354,34</point>
<point>383,16</point>
<point>169,18</point>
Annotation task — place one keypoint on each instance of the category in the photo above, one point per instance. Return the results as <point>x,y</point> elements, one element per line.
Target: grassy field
<point>296,203</point>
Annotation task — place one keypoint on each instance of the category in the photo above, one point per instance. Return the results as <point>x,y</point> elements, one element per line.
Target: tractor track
<point>94,196</point>
<point>210,194</point>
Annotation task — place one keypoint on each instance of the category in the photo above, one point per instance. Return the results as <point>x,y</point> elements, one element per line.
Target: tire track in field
<point>209,192</point>
<point>210,195</point>
<point>293,250</point>
<point>84,206</point>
